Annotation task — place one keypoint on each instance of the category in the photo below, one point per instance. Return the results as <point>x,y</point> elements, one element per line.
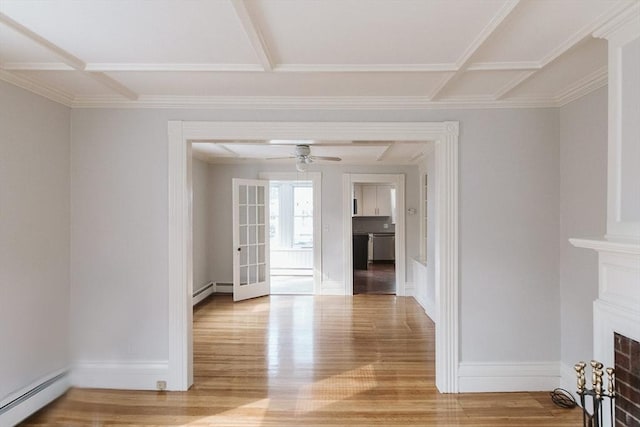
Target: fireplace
<point>627,365</point>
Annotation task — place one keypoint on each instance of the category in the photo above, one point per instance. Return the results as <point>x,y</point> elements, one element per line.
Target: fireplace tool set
<point>596,395</point>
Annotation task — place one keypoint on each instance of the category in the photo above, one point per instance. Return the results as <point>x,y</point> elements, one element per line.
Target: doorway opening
<point>179,242</point>
<point>373,233</point>
<point>291,236</point>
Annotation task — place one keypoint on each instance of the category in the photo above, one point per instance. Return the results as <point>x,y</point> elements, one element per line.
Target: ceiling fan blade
<point>280,158</point>
<point>331,159</point>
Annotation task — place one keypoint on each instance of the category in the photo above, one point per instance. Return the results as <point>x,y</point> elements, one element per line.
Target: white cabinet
<point>374,200</point>
<point>369,200</point>
<point>383,200</point>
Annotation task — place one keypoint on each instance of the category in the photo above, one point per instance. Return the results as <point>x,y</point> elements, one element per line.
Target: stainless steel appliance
<point>384,246</point>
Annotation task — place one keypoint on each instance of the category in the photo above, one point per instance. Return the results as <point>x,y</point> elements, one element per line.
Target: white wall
<point>201,218</point>
<point>34,238</point>
<point>119,289</point>
<point>509,223</point>
<point>583,199</point>
<point>220,237</point>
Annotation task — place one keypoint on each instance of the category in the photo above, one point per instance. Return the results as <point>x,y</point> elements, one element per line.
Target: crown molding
<point>309,103</point>
<point>582,87</point>
<point>512,84</point>
<point>572,41</point>
<point>617,22</point>
<point>36,87</point>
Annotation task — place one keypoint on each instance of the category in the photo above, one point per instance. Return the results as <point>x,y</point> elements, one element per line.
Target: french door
<point>250,238</point>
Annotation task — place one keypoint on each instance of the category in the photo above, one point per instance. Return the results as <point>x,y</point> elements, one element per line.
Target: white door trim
<point>181,133</point>
<point>397,180</point>
<point>316,179</point>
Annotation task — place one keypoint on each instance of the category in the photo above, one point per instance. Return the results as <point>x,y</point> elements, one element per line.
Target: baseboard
<point>142,375</point>
<point>409,289</point>
<point>568,380</point>
<point>332,288</point>
<point>204,292</point>
<point>30,399</point>
<point>224,288</point>
<point>478,377</point>
<point>429,307</point>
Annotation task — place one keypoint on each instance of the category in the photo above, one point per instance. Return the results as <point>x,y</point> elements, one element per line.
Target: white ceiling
<point>306,53</point>
<point>351,152</point>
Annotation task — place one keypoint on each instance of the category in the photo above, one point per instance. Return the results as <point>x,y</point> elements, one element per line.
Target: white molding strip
<point>573,40</point>
<point>28,400</point>
<point>124,375</point>
<point>204,292</point>
<point>483,377</point>
<point>253,33</point>
<point>37,87</point>
<point>68,58</point>
<point>307,102</point>
<point>463,62</point>
<point>180,261</point>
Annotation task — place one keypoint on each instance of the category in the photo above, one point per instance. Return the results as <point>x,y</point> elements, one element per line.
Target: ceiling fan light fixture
<point>302,165</point>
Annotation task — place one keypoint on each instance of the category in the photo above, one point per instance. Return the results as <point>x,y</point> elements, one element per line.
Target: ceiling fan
<point>303,157</point>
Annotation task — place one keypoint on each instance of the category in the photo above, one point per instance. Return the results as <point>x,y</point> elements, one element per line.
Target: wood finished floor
<point>378,278</point>
<point>308,361</point>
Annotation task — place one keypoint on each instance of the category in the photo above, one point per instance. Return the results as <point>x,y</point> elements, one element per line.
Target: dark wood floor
<point>329,361</point>
<point>379,278</point>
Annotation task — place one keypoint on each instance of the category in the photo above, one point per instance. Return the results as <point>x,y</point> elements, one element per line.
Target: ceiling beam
<point>384,154</point>
<point>253,34</point>
<point>228,150</point>
<point>463,63</point>
<point>72,61</point>
<point>577,38</point>
<point>65,56</point>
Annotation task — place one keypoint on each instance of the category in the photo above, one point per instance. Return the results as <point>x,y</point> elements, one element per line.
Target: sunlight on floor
<point>336,388</point>
<point>250,415</point>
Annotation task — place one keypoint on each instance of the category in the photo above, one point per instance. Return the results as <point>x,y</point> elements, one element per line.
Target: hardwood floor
<point>308,361</point>
<point>378,278</point>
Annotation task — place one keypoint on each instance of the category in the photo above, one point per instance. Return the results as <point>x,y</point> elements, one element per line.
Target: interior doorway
<point>179,242</point>
<point>374,207</point>
<point>295,233</point>
<point>374,217</point>
<point>291,236</point>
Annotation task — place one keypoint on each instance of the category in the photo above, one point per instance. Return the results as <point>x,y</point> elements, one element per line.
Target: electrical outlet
<point>385,226</point>
<point>161,385</point>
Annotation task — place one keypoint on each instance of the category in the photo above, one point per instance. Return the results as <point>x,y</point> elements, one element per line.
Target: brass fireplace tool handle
<point>596,393</point>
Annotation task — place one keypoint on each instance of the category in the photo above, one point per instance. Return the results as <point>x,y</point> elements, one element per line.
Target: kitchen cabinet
<point>374,200</point>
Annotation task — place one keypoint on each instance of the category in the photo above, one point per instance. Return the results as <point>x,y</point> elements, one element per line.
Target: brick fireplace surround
<point>627,364</point>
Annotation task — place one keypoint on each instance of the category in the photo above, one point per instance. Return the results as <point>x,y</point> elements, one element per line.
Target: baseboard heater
<point>38,393</point>
<point>204,292</point>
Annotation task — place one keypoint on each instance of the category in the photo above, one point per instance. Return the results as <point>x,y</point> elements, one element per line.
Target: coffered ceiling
<point>306,53</point>
<point>350,152</point>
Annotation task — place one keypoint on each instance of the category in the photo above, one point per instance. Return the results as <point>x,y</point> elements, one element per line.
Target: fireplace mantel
<point>620,247</point>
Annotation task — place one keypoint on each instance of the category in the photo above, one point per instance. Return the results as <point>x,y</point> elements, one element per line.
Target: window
<point>302,217</point>
<point>291,214</point>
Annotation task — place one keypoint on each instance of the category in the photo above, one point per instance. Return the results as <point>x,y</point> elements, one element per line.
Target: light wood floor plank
<point>309,361</point>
